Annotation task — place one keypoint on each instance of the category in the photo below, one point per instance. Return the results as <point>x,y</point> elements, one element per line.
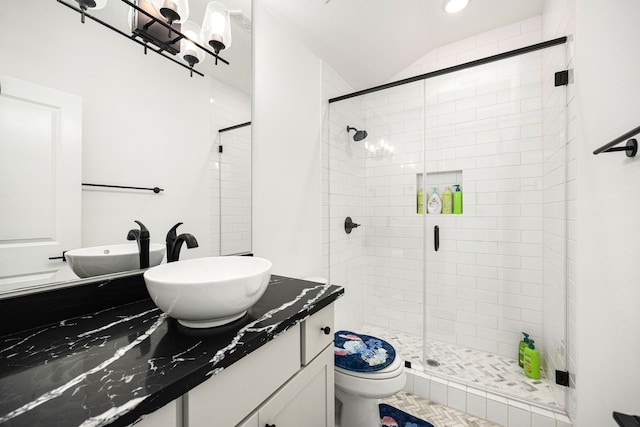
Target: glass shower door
<point>497,130</point>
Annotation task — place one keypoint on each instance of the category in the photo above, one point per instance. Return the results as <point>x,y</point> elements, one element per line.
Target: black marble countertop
<point>113,366</point>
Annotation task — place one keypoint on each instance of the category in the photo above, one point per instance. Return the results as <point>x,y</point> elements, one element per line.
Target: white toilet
<point>358,392</point>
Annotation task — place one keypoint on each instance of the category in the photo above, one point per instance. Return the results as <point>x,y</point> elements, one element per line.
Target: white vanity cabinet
<point>287,382</point>
<point>170,415</point>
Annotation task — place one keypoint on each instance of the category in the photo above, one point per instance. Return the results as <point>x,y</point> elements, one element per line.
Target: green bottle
<point>447,201</point>
<point>532,361</point>
<point>420,201</point>
<point>523,344</point>
<point>457,200</point>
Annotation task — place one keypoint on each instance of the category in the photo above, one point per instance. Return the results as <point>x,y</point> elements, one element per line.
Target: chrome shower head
<point>359,135</point>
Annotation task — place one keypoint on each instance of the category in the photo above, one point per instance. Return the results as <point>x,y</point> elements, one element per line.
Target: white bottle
<point>434,205</point>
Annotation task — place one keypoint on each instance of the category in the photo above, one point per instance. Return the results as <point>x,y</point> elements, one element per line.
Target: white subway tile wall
<point>231,171</point>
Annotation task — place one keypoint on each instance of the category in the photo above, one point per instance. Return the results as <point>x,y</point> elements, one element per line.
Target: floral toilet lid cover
<point>361,353</point>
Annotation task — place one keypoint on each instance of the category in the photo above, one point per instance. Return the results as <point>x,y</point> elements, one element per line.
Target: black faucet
<point>174,243</point>
<point>142,237</point>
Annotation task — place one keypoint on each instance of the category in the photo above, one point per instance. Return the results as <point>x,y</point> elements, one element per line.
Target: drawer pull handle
<point>326,330</point>
<point>269,425</point>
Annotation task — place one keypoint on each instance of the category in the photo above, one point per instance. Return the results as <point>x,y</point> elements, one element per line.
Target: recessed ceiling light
<point>454,6</point>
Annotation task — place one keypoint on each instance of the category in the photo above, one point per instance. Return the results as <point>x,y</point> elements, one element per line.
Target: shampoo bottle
<point>447,201</point>
<point>434,206</point>
<point>457,200</point>
<point>532,361</point>
<point>523,344</point>
<point>420,201</point>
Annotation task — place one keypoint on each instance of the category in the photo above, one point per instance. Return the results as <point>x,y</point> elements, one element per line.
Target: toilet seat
<point>396,368</point>
<point>358,389</point>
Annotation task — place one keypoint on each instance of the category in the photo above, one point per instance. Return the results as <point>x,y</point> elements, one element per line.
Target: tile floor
<point>435,413</point>
<point>471,367</point>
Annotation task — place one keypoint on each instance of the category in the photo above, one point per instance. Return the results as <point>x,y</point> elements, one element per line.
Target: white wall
<point>608,291</point>
<point>287,202</point>
<point>145,121</point>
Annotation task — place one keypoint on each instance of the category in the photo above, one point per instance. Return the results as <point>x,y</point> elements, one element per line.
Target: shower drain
<point>433,362</point>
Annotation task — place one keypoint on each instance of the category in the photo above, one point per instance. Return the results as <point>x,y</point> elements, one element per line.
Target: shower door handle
<point>436,238</point>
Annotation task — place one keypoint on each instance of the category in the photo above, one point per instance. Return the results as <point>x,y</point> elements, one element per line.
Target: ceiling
<point>367,42</point>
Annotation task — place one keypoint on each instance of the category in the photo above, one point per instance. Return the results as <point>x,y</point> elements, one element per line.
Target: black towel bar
<point>154,189</point>
<point>631,148</point>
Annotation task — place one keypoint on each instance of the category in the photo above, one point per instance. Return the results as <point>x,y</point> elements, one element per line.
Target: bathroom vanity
<point>131,363</point>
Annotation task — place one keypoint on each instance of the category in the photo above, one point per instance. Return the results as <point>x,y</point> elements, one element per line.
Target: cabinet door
<point>167,416</point>
<point>252,421</point>
<point>229,396</point>
<point>307,400</point>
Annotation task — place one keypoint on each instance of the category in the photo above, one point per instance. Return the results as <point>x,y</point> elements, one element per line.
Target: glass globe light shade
<point>216,27</point>
<point>172,10</point>
<point>92,4</point>
<point>189,52</point>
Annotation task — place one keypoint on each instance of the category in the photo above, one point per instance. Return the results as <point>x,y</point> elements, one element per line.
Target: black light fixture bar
<point>159,50</point>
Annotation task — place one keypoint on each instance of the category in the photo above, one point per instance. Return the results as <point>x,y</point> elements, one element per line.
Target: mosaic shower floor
<point>468,366</point>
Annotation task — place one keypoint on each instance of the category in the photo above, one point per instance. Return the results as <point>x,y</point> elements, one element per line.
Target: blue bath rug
<point>361,353</point>
<point>394,417</point>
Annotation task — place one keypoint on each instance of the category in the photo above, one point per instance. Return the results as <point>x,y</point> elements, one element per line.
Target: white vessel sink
<point>99,260</point>
<point>208,292</point>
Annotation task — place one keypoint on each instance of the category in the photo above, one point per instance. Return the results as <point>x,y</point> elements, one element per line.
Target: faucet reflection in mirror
<point>143,238</point>
<point>162,26</point>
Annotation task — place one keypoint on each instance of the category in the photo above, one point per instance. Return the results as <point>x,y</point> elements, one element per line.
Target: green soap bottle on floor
<point>523,344</point>
<point>457,200</point>
<point>532,361</point>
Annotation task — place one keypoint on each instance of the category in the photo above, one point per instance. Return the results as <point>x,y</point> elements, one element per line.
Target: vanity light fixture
<point>454,6</point>
<point>162,26</point>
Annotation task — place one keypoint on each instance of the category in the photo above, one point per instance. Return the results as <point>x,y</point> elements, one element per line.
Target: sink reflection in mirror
<point>99,260</point>
<point>208,292</point>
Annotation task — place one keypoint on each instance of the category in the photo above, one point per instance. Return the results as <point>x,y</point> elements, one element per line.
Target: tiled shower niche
<point>440,181</point>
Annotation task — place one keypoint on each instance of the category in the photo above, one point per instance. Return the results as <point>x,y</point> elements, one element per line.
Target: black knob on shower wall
<point>349,225</point>
<point>436,238</point>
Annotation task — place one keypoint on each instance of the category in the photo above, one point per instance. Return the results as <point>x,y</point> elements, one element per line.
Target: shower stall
<point>454,292</point>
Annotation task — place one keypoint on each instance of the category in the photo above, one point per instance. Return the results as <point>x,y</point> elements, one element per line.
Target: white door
<point>40,182</point>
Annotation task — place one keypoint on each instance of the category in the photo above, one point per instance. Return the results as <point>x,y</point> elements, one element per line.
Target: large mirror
<point>90,107</point>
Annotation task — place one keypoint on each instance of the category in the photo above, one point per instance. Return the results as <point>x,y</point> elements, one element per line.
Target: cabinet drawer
<point>226,398</point>
<point>314,338</point>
